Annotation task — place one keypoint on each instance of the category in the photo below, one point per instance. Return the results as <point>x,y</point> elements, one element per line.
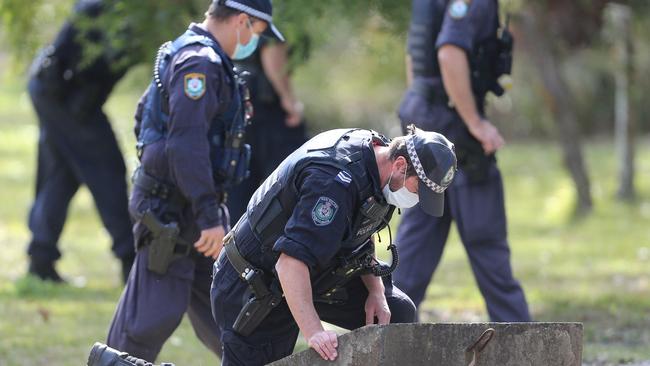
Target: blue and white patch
<point>194,85</point>
<point>324,211</point>
<point>344,178</point>
<point>458,9</point>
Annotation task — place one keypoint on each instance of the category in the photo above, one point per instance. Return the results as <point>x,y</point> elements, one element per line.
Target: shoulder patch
<point>324,211</point>
<point>458,9</point>
<point>194,85</point>
<point>344,178</point>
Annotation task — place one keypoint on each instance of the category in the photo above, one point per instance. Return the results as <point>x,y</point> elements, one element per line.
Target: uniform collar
<point>196,28</point>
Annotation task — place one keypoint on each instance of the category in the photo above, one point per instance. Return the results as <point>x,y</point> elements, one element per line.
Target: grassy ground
<point>594,270</point>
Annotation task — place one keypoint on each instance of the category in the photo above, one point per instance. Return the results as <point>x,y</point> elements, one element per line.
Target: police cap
<point>434,160</point>
<point>260,9</point>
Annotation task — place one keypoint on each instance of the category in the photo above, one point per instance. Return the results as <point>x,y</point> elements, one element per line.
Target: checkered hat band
<point>419,169</point>
<point>248,10</point>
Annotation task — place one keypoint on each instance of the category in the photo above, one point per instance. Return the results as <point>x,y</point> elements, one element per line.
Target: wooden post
<point>619,17</point>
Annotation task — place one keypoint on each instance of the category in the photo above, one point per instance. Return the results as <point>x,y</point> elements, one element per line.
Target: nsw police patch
<point>324,211</point>
<point>194,85</point>
<point>458,9</point>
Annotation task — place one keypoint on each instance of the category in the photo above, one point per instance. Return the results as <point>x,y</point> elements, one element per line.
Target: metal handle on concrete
<point>477,347</point>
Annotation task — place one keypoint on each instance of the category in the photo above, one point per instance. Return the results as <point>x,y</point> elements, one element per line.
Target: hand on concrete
<point>488,135</point>
<point>211,241</point>
<point>294,111</point>
<point>324,342</point>
<point>377,307</point>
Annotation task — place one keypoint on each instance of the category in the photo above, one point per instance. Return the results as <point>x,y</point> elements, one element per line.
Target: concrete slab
<point>511,344</point>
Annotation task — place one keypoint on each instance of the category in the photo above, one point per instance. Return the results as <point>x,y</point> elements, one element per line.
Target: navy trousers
<point>479,212</point>
<point>75,149</point>
<point>152,306</point>
<point>276,336</point>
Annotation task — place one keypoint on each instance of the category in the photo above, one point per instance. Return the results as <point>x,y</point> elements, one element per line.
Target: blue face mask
<point>243,51</point>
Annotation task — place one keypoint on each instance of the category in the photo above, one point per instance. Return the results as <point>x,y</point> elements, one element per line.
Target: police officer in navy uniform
<point>189,125</point>
<point>277,127</point>
<point>303,250</point>
<point>456,57</point>
<point>76,144</point>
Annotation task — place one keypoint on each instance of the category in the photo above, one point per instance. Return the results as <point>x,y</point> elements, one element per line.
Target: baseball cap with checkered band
<point>260,9</point>
<point>434,160</point>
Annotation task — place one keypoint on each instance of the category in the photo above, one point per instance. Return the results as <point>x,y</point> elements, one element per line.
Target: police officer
<point>302,252</point>
<point>277,127</point>
<point>456,57</point>
<point>190,125</point>
<point>76,144</point>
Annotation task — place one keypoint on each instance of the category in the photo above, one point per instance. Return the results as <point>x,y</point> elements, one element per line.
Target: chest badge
<point>458,9</point>
<point>194,85</point>
<point>324,211</point>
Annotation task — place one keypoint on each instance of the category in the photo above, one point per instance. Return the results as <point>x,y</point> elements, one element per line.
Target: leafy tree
<point>28,25</point>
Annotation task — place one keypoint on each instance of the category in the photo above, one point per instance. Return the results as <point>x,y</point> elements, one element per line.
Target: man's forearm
<point>455,70</point>
<point>373,283</point>
<point>296,284</point>
<point>275,65</point>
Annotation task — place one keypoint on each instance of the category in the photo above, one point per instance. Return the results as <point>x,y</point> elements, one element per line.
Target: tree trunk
<point>619,17</point>
<point>559,100</point>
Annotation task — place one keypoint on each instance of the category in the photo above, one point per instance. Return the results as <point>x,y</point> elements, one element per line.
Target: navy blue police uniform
<point>182,122</point>
<point>475,200</point>
<point>321,206</point>
<point>270,138</point>
<point>76,144</point>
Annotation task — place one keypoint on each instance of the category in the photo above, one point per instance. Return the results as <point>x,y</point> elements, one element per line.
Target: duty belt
<point>156,188</point>
<point>264,298</point>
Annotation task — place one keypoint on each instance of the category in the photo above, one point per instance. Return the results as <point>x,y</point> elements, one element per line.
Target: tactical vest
<point>490,59</point>
<point>230,157</point>
<point>274,201</point>
<point>262,90</point>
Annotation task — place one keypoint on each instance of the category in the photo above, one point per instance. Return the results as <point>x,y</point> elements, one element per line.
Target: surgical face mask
<point>402,198</point>
<point>243,51</point>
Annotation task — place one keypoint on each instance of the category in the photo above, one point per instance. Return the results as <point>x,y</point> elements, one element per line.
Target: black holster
<point>472,159</point>
<point>165,245</point>
<point>265,292</point>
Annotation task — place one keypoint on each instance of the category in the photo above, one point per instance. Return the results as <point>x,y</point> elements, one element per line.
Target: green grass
<point>594,270</point>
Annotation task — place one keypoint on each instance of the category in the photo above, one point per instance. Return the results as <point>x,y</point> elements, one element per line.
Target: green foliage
<point>149,23</point>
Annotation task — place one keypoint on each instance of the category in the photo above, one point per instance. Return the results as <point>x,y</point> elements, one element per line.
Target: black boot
<point>127,264</point>
<point>103,355</point>
<point>44,270</point>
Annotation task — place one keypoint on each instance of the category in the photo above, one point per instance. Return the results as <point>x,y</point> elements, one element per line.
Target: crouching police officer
<point>457,56</point>
<point>303,250</point>
<point>190,126</point>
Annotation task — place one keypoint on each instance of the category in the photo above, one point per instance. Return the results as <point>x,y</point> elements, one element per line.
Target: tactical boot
<point>44,270</point>
<point>103,355</point>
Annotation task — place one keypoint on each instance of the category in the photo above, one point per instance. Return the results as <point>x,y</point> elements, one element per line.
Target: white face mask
<point>402,198</point>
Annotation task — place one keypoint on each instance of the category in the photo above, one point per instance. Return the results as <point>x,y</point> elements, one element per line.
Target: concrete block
<point>507,344</point>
